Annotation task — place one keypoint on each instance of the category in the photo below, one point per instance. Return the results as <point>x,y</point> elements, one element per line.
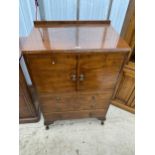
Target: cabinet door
<point>52,73</point>
<point>99,72</point>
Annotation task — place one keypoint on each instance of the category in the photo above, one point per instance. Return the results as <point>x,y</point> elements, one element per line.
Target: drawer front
<point>75,114</point>
<point>52,73</point>
<point>75,102</point>
<point>99,71</point>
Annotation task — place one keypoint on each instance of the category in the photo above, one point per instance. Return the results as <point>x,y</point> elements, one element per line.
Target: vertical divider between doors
<point>77,71</point>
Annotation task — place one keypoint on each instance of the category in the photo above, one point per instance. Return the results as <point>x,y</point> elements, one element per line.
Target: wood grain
<point>125,93</point>
<point>69,22</point>
<point>75,73</point>
<point>99,37</point>
<point>28,112</point>
<point>75,101</point>
<point>74,115</point>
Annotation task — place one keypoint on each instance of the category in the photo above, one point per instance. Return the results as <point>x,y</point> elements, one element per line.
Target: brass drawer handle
<point>81,78</point>
<point>73,77</point>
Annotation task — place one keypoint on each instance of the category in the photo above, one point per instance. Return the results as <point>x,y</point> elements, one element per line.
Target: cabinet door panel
<point>125,92</point>
<point>126,88</point>
<point>100,71</point>
<point>52,73</point>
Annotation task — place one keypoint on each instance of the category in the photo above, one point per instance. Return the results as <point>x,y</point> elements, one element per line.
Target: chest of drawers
<point>74,67</point>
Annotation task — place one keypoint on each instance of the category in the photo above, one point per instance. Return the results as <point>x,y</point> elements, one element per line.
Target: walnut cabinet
<point>74,67</point>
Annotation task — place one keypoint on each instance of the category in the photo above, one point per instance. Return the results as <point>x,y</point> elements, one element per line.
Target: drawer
<point>75,114</point>
<point>75,102</point>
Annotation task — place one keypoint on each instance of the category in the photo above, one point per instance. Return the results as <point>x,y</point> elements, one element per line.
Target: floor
<point>81,137</point>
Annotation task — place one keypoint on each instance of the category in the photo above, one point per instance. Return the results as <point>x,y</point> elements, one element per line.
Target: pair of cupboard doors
<point>65,73</point>
<point>74,85</point>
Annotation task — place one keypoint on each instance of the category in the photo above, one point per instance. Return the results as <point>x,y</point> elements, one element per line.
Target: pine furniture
<point>125,94</point>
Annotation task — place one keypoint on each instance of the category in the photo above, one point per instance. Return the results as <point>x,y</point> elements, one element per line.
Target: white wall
<point>26,18</point>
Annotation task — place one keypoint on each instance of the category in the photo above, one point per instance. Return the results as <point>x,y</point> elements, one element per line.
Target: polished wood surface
<point>75,68</point>
<point>100,71</point>
<point>69,23</point>
<point>52,74</point>
<point>60,86</point>
<point>63,69</point>
<point>75,38</point>
<point>125,94</point>
<point>28,111</point>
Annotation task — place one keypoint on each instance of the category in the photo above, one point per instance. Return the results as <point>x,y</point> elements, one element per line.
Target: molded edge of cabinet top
<point>78,36</point>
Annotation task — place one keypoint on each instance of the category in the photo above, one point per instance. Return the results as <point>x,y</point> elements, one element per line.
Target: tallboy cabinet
<point>74,66</point>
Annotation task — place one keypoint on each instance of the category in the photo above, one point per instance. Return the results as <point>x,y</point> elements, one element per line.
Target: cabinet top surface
<point>76,37</point>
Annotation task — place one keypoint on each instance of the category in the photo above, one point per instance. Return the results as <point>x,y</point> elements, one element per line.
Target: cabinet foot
<point>47,124</point>
<point>102,122</point>
<point>47,127</point>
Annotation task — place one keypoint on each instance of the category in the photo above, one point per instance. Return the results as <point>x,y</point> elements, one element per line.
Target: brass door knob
<point>73,77</point>
<point>81,77</point>
<point>53,62</point>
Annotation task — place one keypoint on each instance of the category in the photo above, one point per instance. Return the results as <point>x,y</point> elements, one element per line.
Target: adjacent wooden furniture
<point>128,29</point>
<point>28,111</point>
<point>74,66</point>
<point>125,95</point>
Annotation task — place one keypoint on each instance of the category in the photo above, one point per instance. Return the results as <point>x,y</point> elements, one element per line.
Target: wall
<point>26,18</point>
